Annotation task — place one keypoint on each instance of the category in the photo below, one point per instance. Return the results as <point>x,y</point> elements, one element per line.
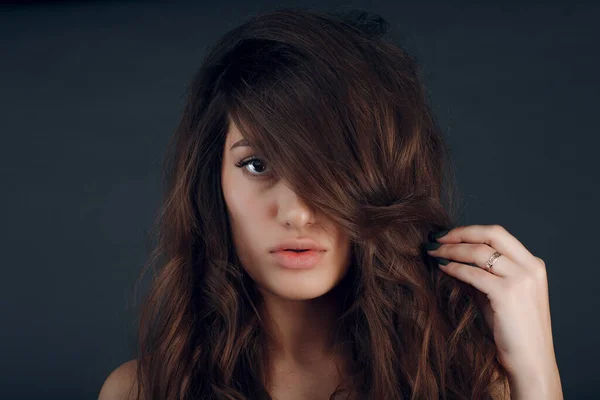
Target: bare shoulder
<point>120,383</point>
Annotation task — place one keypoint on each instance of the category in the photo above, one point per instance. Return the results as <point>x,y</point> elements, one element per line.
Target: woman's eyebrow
<point>240,143</point>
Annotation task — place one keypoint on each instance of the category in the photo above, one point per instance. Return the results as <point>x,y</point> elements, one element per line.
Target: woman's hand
<point>513,298</point>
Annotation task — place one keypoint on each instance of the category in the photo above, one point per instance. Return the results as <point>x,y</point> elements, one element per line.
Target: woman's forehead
<point>233,133</point>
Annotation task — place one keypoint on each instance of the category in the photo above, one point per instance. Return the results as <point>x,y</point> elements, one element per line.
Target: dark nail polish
<point>442,261</point>
<point>439,234</point>
<point>432,245</point>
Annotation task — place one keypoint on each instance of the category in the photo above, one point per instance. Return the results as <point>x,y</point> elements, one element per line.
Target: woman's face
<point>263,211</point>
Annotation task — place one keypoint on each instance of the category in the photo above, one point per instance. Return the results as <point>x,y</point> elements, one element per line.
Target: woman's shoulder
<point>120,383</point>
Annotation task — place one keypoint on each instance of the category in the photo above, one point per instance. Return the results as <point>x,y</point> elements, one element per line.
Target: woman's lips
<point>303,259</point>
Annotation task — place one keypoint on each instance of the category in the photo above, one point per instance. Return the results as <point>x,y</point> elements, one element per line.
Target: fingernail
<point>433,236</point>
<point>442,261</point>
<point>433,245</point>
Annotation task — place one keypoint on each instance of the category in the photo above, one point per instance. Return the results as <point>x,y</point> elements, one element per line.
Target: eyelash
<point>243,163</point>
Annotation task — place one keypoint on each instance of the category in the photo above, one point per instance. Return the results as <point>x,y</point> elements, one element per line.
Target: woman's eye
<point>258,165</point>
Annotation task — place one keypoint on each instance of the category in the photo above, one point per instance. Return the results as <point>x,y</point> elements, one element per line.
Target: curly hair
<point>332,88</point>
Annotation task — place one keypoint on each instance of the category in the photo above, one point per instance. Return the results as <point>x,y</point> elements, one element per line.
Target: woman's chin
<point>298,290</point>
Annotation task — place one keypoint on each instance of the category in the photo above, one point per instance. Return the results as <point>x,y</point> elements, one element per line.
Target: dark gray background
<point>90,93</point>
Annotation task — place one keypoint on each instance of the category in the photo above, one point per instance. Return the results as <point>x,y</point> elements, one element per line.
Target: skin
<point>299,305</point>
<point>514,300</point>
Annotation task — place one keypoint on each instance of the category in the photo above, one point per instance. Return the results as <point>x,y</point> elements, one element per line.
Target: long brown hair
<point>340,112</point>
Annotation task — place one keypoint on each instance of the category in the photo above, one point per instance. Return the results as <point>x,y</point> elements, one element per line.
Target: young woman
<point>304,181</point>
